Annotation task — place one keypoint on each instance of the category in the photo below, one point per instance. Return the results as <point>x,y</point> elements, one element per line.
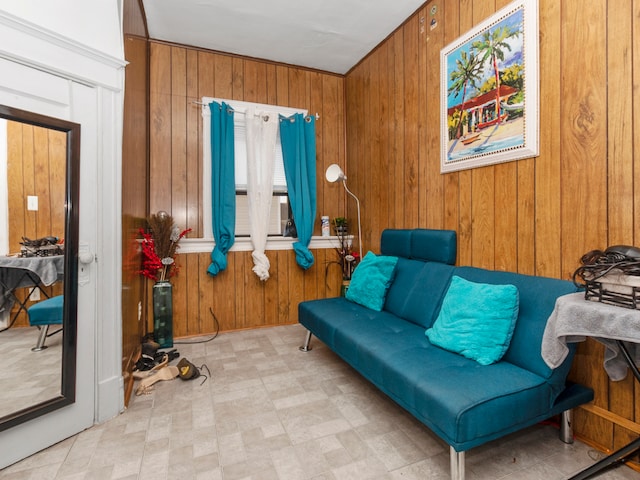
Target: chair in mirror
<point>39,190</point>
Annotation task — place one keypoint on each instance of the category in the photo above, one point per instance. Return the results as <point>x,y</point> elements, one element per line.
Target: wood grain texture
<point>535,216</point>
<point>381,124</point>
<point>635,105</point>
<point>548,186</point>
<point>135,150</point>
<point>620,216</point>
<point>178,77</point>
<point>36,166</point>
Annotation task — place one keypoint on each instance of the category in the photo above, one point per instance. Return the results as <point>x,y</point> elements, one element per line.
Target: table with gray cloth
<point>17,272</point>
<point>574,319</point>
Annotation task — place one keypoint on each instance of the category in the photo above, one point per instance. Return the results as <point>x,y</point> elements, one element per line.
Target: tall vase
<point>163,313</point>
<point>344,287</point>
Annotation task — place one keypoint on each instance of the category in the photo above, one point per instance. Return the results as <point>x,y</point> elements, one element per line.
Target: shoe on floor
<point>168,372</point>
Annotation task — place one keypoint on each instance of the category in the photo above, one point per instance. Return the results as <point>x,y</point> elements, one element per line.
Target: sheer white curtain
<point>262,132</point>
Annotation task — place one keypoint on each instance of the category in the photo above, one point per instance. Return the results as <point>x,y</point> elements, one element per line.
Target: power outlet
<point>32,203</point>
<point>35,295</point>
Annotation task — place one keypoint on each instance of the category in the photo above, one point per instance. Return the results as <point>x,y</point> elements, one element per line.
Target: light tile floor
<point>28,377</point>
<point>273,412</point>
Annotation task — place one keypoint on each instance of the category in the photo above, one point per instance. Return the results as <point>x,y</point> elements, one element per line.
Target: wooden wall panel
<point>583,144</point>
<point>620,218</point>
<point>134,199</point>
<point>381,124</point>
<point>134,22</point>
<point>547,221</point>
<point>635,138</point>
<point>396,129</point>
<point>535,216</point>
<point>36,165</point>
<point>179,76</point>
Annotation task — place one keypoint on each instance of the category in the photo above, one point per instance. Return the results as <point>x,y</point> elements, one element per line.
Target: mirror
<point>39,188</point>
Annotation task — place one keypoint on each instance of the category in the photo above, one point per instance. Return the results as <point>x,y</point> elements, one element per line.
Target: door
<point>42,93</point>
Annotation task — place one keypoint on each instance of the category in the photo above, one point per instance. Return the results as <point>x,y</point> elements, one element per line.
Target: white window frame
<point>206,243</point>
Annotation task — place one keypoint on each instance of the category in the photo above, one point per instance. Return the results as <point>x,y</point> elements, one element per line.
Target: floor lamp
<point>335,173</point>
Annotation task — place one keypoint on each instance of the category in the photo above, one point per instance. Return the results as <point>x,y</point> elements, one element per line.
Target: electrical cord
<point>596,264</point>
<point>215,319</point>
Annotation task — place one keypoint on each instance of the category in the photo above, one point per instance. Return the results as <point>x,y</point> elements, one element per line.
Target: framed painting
<point>489,91</point>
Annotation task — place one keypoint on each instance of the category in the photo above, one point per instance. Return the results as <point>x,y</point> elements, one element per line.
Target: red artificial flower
<point>158,247</point>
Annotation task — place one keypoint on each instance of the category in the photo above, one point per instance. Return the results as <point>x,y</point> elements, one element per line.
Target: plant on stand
<point>347,258</point>
<point>159,248</point>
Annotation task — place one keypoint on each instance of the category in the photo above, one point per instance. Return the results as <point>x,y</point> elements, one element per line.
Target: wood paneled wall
<point>181,76</point>
<point>534,216</point>
<point>36,166</point>
<point>135,193</point>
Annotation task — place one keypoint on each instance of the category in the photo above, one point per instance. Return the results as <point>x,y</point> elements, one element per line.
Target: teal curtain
<point>223,185</point>
<point>298,139</point>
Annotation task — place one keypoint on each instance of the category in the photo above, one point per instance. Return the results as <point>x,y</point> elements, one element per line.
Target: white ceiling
<point>330,35</point>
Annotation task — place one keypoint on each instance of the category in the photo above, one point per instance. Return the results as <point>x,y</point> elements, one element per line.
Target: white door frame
<point>51,75</point>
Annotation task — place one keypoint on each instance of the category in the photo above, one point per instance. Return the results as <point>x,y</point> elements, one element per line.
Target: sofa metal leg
<point>307,343</point>
<point>566,426</point>
<point>457,464</point>
<point>41,339</point>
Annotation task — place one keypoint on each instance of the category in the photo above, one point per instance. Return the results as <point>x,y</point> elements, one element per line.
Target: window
<point>280,205</point>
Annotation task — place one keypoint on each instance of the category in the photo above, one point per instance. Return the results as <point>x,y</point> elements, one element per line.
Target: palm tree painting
<point>488,115</point>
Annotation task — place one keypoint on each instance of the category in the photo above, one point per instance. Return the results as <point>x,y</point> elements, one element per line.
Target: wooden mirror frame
<point>70,311</point>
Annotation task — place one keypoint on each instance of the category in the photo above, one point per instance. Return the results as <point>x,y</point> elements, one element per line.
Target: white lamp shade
<point>334,173</point>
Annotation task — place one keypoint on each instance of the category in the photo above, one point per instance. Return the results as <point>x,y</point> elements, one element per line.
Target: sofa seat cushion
<point>465,403</point>
<point>537,298</point>
<point>351,329</point>
<point>47,312</point>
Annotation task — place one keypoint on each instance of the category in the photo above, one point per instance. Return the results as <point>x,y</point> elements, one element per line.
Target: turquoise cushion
<point>47,312</point>
<point>371,280</point>
<point>476,320</point>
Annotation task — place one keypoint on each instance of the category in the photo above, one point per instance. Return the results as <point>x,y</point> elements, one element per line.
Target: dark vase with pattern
<point>163,313</point>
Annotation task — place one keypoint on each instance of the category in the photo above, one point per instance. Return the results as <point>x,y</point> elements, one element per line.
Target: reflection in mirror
<point>39,172</point>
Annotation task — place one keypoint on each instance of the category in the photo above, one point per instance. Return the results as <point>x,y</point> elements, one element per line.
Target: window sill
<point>243,244</point>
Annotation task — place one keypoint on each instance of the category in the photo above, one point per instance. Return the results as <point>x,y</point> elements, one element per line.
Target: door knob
<point>85,257</point>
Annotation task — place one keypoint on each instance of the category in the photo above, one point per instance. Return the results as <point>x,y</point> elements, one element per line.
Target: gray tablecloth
<point>47,269</point>
<point>574,319</point>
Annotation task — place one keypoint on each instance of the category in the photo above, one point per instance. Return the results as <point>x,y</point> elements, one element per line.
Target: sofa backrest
<point>537,299</point>
<point>417,290</point>
<point>425,259</point>
<point>420,244</point>
<point>425,267</point>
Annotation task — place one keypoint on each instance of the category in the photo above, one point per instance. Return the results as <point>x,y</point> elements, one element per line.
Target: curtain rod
<point>317,115</point>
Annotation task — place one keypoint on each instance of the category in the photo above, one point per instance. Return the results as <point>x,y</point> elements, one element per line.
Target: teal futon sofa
<point>457,347</point>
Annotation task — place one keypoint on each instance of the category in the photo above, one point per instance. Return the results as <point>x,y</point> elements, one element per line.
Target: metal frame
<point>623,454</point>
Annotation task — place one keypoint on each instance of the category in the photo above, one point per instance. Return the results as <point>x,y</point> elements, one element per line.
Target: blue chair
<point>45,313</point>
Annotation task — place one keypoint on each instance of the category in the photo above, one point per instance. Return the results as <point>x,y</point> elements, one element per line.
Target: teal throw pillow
<point>476,320</point>
<point>371,280</point>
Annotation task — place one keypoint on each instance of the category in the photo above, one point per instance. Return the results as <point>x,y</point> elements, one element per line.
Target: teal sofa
<point>465,403</point>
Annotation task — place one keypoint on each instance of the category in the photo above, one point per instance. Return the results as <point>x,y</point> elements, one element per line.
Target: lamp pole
<point>335,173</point>
<point>344,183</point>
